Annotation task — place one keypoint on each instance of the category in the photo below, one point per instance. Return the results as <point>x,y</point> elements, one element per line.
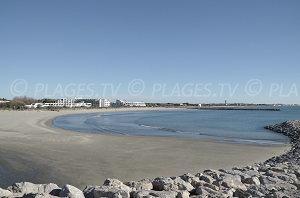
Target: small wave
<point>161,128</point>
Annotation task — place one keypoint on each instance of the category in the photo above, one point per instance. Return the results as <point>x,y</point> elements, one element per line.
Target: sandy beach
<point>31,150</point>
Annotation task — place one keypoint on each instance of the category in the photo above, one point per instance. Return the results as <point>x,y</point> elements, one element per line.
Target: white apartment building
<point>4,101</point>
<point>64,102</point>
<point>104,103</point>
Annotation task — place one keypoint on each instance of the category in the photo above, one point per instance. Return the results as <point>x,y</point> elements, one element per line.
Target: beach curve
<point>59,156</point>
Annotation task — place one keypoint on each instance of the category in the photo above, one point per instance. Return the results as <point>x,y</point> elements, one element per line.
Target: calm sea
<point>232,126</point>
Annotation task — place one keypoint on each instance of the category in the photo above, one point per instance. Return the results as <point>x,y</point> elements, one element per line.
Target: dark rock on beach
<point>277,177</point>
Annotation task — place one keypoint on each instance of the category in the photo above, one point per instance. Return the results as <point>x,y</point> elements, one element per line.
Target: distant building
<point>199,105</point>
<point>136,104</point>
<point>104,103</point>
<point>4,101</point>
<point>64,102</point>
<point>122,103</point>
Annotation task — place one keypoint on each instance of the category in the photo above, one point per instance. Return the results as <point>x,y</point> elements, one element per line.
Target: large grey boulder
<point>251,180</point>
<point>164,184</point>
<point>39,195</point>
<point>152,194</point>
<point>105,191</point>
<point>71,192</point>
<point>233,181</point>
<point>144,184</point>
<point>117,184</point>
<point>182,185</point>
<point>24,188</point>
<point>206,178</point>
<point>112,188</point>
<point>5,193</point>
<point>183,194</point>
<point>190,178</point>
<point>169,184</point>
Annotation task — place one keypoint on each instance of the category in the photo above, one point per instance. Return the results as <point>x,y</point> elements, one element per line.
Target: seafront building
<point>4,101</point>
<point>64,102</point>
<point>122,103</point>
<point>104,103</point>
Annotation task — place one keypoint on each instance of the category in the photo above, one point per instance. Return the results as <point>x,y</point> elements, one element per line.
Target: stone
<point>183,194</point>
<point>182,185</point>
<point>106,191</point>
<point>24,188</point>
<point>192,179</point>
<point>116,184</point>
<point>168,184</point>
<point>144,184</point>
<point>233,181</point>
<point>164,184</point>
<point>204,192</point>
<point>5,193</point>
<point>241,194</point>
<point>206,178</point>
<point>71,192</point>
<point>251,180</point>
<point>213,173</point>
<point>39,195</point>
<point>152,194</point>
<point>51,189</point>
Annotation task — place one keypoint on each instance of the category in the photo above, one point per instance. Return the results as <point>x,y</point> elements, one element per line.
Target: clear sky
<point>169,48</point>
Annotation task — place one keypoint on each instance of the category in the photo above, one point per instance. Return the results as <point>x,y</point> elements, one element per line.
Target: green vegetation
<point>17,103</point>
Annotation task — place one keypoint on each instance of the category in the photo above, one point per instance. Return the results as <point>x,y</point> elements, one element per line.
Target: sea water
<point>238,126</point>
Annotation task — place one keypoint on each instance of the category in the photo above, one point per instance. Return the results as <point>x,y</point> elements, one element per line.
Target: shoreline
<point>59,155</point>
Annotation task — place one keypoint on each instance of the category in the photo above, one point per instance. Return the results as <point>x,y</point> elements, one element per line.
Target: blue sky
<point>170,43</point>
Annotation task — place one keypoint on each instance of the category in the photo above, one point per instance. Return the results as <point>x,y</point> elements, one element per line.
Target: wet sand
<point>32,150</point>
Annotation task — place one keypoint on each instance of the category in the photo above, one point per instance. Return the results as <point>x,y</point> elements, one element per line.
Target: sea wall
<point>276,177</point>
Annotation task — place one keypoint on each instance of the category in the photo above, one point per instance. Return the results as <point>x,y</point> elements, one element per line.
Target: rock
<point>192,179</point>
<point>211,186</point>
<point>116,184</point>
<point>168,184</point>
<point>205,192</point>
<point>182,185</point>
<point>241,194</point>
<point>213,173</point>
<point>39,195</point>
<point>112,188</point>
<point>51,189</point>
<point>233,181</point>
<point>24,188</point>
<point>105,191</point>
<point>5,193</point>
<point>164,184</point>
<point>144,184</point>
<point>183,194</point>
<point>151,193</point>
<point>251,180</point>
<point>206,178</point>
<point>71,192</point>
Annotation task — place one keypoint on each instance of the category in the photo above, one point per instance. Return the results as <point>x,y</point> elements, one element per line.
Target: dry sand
<point>31,150</point>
